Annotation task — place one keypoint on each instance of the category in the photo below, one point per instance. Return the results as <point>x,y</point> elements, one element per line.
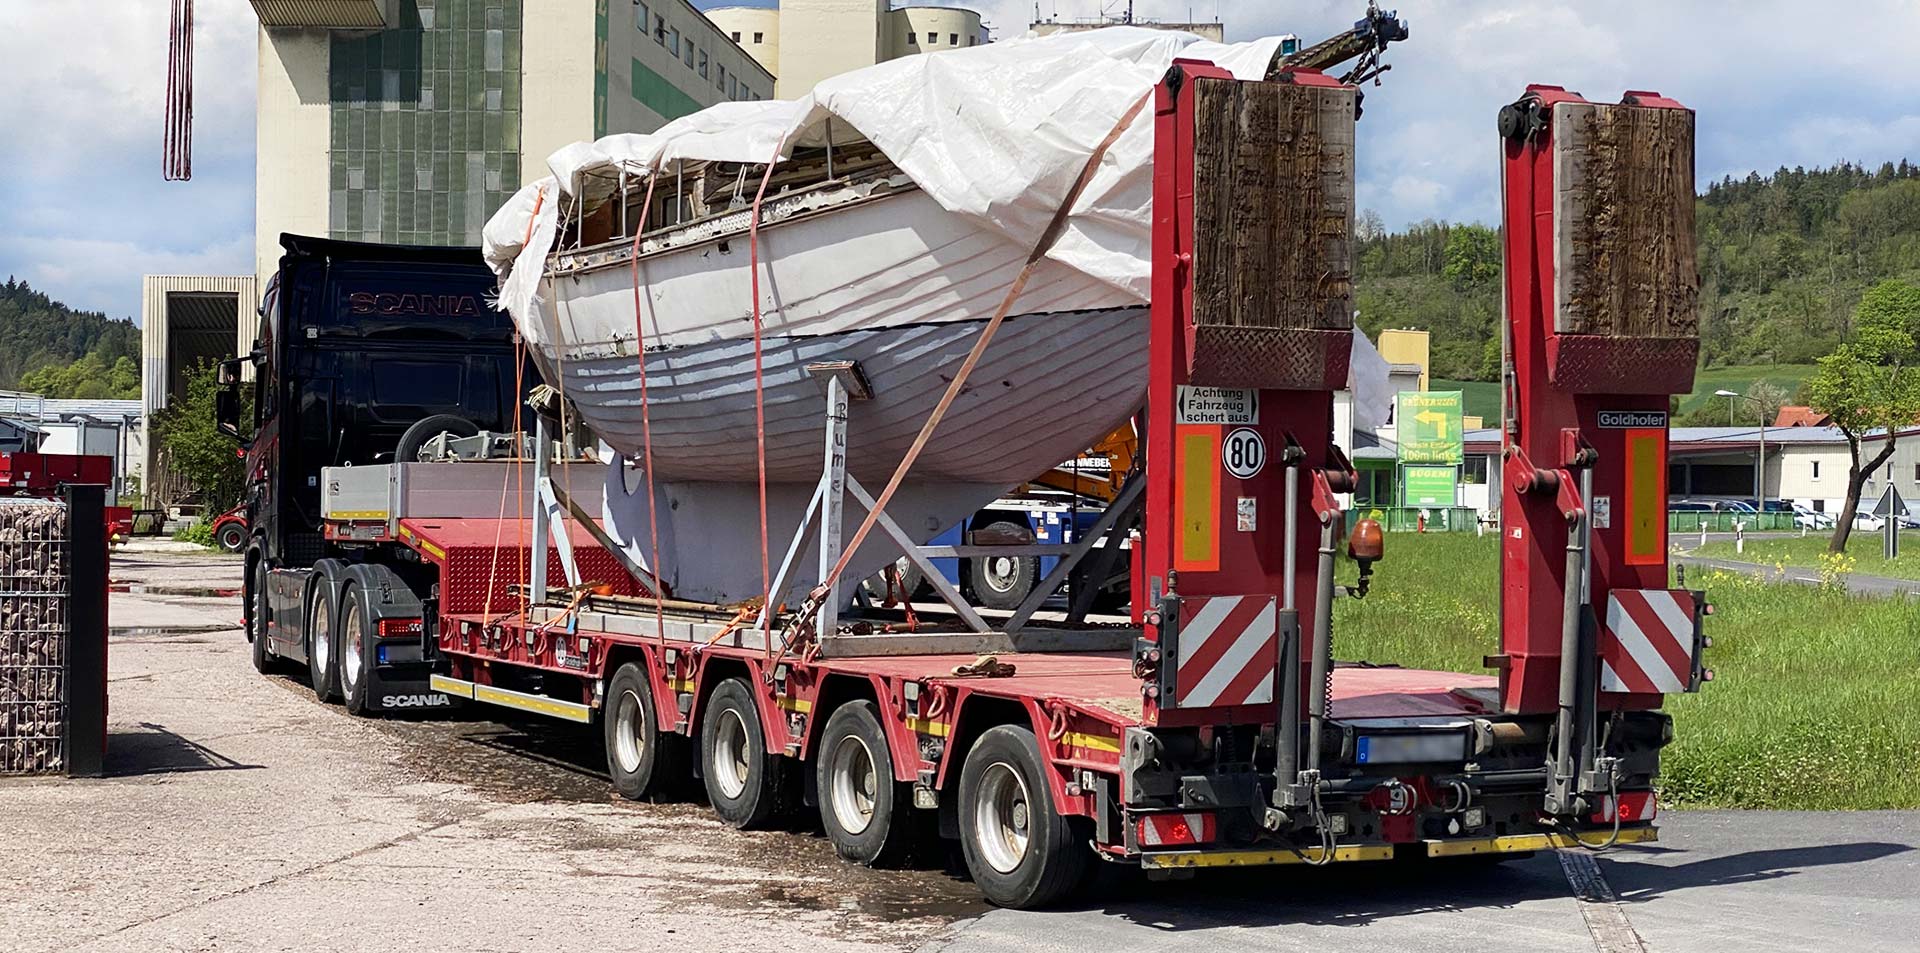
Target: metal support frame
<point>1130,497</point>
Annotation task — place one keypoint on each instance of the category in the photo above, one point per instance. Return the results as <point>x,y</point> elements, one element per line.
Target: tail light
<point>398,628</point>
<point>1634,806</point>
<point>1175,830</point>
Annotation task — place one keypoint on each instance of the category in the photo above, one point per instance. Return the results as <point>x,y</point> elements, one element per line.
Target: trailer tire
<point>739,774</point>
<point>1021,852</point>
<point>323,643</point>
<point>643,761</point>
<point>354,639</point>
<point>862,808</point>
<point>1003,582</point>
<point>232,537</point>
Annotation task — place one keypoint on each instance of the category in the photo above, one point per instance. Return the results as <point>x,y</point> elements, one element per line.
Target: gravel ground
<point>240,814</point>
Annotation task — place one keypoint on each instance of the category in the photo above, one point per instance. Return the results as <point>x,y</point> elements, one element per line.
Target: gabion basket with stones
<point>34,636</point>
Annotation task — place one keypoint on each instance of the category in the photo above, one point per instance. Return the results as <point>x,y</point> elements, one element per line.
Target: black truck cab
<point>357,344</point>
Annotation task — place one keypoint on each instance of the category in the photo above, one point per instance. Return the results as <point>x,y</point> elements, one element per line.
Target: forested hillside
<point>39,334</point>
<point>1784,259</point>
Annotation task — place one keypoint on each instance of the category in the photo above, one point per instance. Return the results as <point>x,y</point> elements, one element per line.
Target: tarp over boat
<point>995,133</point>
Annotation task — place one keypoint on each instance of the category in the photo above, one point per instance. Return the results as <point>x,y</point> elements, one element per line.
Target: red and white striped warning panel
<point>1226,647</point>
<point>1176,830</point>
<point>1647,645</point>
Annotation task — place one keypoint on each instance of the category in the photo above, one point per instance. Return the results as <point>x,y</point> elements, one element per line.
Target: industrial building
<point>410,122</point>
<point>805,41</point>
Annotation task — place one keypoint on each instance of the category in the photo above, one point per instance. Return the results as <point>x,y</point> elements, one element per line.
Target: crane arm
<point>1368,38</point>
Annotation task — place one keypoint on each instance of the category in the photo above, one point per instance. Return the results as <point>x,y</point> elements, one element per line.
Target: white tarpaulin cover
<point>997,133</point>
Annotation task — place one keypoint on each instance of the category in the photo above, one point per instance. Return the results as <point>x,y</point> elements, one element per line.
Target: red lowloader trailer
<point>1218,729</point>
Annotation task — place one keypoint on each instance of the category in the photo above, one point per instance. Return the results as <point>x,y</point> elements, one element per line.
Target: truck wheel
<point>264,661</point>
<point>1003,582</point>
<point>733,757</point>
<point>232,537</point>
<point>323,645</point>
<point>643,761</point>
<point>1021,852</point>
<point>862,808</point>
<point>908,585</point>
<point>355,636</point>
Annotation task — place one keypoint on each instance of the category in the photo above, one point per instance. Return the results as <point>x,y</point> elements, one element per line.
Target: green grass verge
<point>1477,398</point>
<point>1813,705</point>
<point>1863,554</point>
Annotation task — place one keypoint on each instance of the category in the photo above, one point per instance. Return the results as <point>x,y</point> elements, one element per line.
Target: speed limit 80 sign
<point>1243,452</point>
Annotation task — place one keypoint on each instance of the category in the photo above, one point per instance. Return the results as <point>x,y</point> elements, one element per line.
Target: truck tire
<point>1003,582</point>
<point>739,774</point>
<point>264,661</point>
<point>643,761</point>
<point>862,808</point>
<point>908,586</point>
<point>355,635</point>
<point>427,428</point>
<point>323,642</point>
<point>232,537</point>
<point>1021,852</point>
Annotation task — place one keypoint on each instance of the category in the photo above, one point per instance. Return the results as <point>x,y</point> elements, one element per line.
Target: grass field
<point>1863,554</point>
<point>1483,397</point>
<point>1815,704</point>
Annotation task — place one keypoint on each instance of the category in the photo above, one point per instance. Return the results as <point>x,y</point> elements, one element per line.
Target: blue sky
<point>84,213</point>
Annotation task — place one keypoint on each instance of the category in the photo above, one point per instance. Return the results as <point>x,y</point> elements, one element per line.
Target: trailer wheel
<point>356,634</point>
<point>323,646</point>
<point>232,537</point>
<point>1003,582</point>
<point>1021,852</point>
<point>643,761</point>
<point>861,805</point>
<point>733,757</point>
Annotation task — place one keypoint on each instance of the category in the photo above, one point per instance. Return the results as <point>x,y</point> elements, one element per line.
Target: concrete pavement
<point>241,814</point>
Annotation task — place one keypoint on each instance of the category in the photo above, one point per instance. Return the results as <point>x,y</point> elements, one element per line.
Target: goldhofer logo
<point>1632,419</point>
<point>443,306</point>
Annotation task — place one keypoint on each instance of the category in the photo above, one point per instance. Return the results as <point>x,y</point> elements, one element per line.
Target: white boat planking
<point>896,269</point>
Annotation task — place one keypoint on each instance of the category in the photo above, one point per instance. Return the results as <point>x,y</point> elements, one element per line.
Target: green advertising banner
<point>1427,426</point>
<point>1429,485</point>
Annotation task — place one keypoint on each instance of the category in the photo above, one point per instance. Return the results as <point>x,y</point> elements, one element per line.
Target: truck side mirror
<point>227,374</point>
<point>226,412</point>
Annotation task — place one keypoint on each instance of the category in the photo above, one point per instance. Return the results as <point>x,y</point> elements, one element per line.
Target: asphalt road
<point>243,815</point>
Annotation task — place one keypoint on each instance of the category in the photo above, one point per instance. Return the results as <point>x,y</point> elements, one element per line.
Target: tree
<point>1871,383</point>
<point>89,377</point>
<point>1472,257</point>
<point>195,448</point>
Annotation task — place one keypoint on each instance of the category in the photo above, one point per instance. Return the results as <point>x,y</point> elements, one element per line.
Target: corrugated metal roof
<point>345,14</point>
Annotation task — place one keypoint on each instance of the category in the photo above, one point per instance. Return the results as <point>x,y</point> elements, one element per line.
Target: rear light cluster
<point>1634,806</point>
<point>1175,830</point>
<point>398,628</point>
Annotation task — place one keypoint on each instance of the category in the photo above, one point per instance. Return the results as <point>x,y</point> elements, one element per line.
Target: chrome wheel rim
<point>629,745</point>
<point>322,641</point>
<point>1001,572</point>
<point>1002,817</point>
<point>730,754</point>
<point>855,784</point>
<point>350,648</point>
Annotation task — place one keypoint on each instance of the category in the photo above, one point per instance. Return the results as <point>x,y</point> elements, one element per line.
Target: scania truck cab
<point>364,353</point>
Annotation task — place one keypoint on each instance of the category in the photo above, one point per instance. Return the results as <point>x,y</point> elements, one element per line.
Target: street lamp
<point>1760,457</point>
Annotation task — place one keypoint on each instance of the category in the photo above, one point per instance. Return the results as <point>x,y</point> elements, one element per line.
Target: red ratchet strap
<point>646,419</point>
<point>1047,238</point>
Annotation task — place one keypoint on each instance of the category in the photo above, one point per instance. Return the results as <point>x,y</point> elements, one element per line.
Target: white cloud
<point>83,270</point>
<point>85,211</point>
